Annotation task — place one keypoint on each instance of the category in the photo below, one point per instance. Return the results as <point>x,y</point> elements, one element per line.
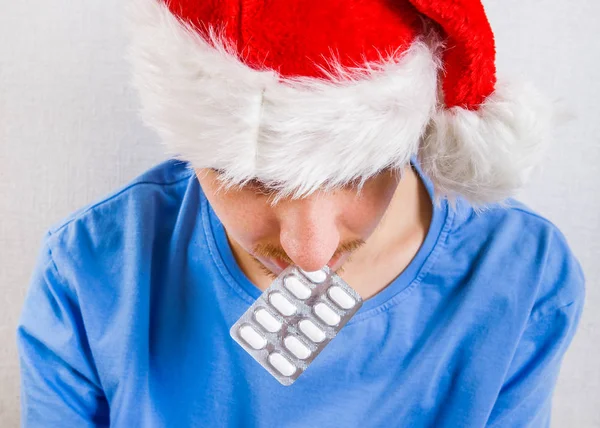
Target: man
<point>370,136</point>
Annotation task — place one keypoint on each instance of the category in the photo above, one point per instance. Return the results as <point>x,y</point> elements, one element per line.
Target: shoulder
<point>125,225</point>
<point>162,178</point>
<point>523,248</point>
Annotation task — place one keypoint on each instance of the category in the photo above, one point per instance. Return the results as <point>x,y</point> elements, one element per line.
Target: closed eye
<point>255,185</point>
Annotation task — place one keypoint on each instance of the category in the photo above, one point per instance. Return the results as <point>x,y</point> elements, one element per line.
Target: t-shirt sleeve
<point>59,383</point>
<point>526,396</point>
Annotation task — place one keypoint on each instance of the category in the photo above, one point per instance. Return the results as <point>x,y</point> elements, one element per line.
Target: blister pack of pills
<point>294,319</point>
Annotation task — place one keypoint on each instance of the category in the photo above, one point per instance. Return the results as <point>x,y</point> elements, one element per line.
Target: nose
<point>309,234</point>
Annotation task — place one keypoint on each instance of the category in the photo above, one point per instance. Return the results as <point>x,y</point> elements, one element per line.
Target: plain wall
<point>69,133</point>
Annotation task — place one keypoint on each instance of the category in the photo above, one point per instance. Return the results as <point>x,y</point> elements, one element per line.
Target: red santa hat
<point>309,95</point>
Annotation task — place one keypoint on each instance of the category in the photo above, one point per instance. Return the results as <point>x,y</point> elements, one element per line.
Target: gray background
<point>69,133</point>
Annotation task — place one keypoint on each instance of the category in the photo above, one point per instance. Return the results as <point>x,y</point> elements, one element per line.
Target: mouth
<point>277,265</point>
<point>280,264</point>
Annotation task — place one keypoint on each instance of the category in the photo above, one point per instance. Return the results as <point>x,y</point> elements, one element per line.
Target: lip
<point>280,263</point>
<point>274,265</point>
<point>337,261</point>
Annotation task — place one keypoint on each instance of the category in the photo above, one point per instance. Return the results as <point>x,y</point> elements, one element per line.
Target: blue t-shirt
<point>128,313</point>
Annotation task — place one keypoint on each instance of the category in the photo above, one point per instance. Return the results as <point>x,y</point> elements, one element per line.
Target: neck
<point>396,240</point>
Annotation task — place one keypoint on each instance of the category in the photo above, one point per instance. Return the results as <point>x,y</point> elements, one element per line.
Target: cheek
<point>365,211</point>
<point>246,218</point>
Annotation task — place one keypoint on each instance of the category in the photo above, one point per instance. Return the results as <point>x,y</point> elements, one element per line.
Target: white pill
<point>252,337</point>
<point>282,304</point>
<point>282,364</point>
<point>339,296</point>
<point>296,287</point>
<point>313,332</point>
<point>316,276</point>
<point>268,321</point>
<point>296,347</point>
<point>327,314</point>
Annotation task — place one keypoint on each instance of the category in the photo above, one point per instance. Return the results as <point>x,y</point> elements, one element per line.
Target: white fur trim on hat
<point>299,134</point>
<point>486,155</point>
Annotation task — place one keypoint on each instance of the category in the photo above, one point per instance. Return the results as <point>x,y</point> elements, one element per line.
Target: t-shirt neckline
<point>396,291</point>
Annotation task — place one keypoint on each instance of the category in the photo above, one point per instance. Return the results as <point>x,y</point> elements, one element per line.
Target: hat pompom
<point>486,155</point>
